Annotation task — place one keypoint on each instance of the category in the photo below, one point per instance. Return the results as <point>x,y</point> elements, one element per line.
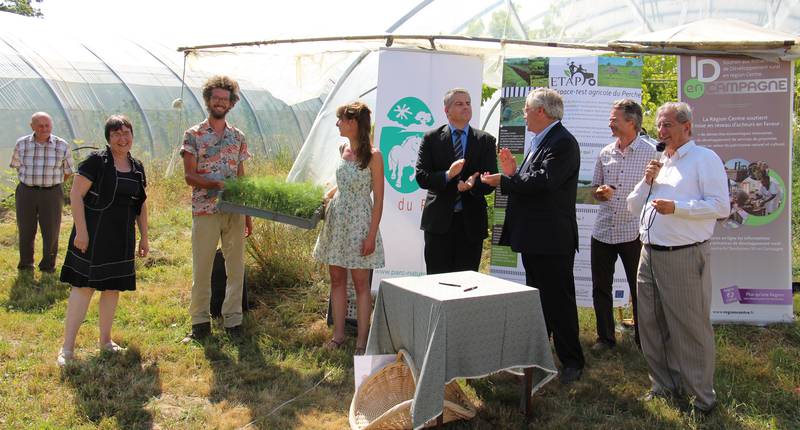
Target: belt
<point>673,248</point>
<point>37,187</point>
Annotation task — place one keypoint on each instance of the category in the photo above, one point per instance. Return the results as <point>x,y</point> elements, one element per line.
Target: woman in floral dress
<point>350,238</point>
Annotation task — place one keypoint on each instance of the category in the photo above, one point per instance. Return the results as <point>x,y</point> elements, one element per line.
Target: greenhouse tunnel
<point>80,81</point>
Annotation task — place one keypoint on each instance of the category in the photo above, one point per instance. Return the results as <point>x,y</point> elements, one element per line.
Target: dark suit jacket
<point>436,154</point>
<point>540,217</point>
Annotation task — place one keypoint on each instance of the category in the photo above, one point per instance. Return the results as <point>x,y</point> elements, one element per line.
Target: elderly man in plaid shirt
<point>616,231</point>
<point>43,161</point>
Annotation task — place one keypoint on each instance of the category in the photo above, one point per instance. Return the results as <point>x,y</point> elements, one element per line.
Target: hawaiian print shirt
<point>217,159</point>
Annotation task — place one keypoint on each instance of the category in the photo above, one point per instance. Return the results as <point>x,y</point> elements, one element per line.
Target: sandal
<point>360,350</point>
<point>64,356</point>
<point>112,347</point>
<point>333,344</point>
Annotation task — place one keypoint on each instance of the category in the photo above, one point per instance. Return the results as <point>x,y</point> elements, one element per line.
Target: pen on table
<point>449,285</point>
<point>470,289</point>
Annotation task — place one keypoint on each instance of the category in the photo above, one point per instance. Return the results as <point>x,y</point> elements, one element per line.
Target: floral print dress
<point>347,221</point>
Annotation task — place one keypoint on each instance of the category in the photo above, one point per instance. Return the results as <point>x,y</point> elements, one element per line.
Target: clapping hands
<point>508,165</point>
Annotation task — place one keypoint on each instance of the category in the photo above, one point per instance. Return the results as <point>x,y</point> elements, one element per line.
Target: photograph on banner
<point>409,102</point>
<point>589,87</point>
<point>742,111</point>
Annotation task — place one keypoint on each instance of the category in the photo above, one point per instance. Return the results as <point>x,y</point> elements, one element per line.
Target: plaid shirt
<point>217,159</point>
<point>42,164</point>
<point>622,169</point>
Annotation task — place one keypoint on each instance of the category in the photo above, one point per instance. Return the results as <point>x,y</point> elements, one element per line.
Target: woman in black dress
<point>107,199</point>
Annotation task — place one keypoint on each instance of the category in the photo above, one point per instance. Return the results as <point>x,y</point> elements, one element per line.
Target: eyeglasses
<point>124,132</point>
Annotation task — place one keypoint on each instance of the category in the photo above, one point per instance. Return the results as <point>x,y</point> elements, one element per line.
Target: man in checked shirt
<point>43,161</point>
<point>616,231</point>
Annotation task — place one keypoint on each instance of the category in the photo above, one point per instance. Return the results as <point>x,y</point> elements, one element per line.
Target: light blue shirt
<point>537,140</point>
<point>463,143</point>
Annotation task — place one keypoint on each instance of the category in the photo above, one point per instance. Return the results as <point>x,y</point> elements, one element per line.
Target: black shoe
<point>199,332</point>
<point>570,375</point>
<point>234,332</point>
<point>601,346</point>
<point>703,413</point>
<point>49,270</point>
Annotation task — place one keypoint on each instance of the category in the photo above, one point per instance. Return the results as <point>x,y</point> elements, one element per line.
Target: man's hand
<point>455,169</point>
<point>468,184</point>
<point>604,193</point>
<point>248,226</point>
<point>663,206</point>
<point>508,165</point>
<point>492,180</point>
<point>650,173</point>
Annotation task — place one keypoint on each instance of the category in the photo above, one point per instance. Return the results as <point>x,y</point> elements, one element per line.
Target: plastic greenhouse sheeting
<point>346,68</point>
<point>81,80</point>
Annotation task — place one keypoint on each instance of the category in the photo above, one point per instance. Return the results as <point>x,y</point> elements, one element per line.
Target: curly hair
<point>222,82</point>
<point>361,113</point>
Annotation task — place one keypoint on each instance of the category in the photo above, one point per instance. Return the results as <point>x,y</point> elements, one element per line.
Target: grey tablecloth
<point>451,333</point>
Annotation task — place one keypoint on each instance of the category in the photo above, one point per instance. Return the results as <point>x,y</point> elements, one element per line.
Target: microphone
<point>660,146</point>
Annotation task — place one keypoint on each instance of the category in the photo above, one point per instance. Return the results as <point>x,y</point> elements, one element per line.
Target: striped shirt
<point>622,169</point>
<point>42,164</point>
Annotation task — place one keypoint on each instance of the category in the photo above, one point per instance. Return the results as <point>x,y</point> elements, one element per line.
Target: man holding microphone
<point>679,200</point>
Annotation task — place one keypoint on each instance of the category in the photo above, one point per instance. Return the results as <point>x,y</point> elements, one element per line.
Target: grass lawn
<point>280,377</point>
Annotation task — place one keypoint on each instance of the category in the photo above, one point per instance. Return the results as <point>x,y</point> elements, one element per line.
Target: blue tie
<point>458,148</point>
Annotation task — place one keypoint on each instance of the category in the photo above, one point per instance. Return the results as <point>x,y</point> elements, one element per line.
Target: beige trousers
<point>674,310</point>
<point>207,230</point>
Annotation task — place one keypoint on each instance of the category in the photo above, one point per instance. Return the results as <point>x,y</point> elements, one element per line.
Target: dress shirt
<point>42,164</point>
<point>537,140</point>
<point>463,145</point>
<point>622,169</point>
<point>694,178</point>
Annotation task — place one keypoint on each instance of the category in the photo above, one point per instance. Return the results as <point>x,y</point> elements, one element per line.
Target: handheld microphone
<point>660,146</point>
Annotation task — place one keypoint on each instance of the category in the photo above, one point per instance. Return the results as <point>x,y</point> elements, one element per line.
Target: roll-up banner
<point>589,86</point>
<point>742,111</point>
<point>411,88</point>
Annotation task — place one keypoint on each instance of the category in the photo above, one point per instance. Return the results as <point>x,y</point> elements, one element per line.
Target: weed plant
<point>274,194</point>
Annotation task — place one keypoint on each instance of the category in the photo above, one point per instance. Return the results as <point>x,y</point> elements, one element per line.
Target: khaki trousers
<point>207,230</point>
<point>674,300</point>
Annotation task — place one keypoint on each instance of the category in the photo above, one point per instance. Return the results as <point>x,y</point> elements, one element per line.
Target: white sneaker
<point>64,357</point>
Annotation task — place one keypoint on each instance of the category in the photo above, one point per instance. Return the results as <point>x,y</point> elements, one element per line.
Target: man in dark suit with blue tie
<point>540,220</point>
<point>450,159</point>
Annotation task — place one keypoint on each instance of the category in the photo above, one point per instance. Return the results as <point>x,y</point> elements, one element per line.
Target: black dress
<point>108,263</point>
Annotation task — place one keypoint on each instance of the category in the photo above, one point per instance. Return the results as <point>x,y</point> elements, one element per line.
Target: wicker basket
<point>384,400</point>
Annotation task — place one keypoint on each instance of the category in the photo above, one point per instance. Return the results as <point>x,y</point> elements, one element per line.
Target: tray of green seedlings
<point>272,198</point>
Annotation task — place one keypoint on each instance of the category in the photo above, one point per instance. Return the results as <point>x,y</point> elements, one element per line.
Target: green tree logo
<point>400,142</point>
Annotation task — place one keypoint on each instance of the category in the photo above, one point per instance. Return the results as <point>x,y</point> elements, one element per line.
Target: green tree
<point>21,7</point>
<point>659,85</point>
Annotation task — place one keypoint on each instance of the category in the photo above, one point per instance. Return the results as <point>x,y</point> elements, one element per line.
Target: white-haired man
<point>43,162</point>
<point>679,199</point>
<point>540,220</point>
